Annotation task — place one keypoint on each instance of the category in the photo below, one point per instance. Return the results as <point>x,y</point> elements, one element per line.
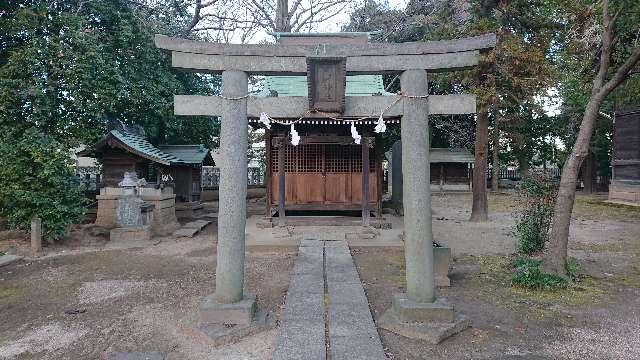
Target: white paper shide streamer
<point>264,119</point>
<point>354,134</point>
<point>295,138</point>
<point>380,126</point>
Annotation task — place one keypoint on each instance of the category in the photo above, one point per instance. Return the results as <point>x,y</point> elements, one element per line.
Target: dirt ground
<point>599,318</point>
<point>87,299</point>
<point>90,303</point>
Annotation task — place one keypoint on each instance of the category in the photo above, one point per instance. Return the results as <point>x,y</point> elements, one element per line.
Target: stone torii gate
<point>414,313</point>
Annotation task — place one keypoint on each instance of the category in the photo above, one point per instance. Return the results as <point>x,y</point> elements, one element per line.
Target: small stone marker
<point>36,237</point>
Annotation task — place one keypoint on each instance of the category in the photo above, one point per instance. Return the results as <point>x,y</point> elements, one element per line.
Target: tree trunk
<point>495,170</point>
<point>282,16</point>
<point>555,257</point>
<point>479,207</point>
<point>588,174</point>
<point>523,167</point>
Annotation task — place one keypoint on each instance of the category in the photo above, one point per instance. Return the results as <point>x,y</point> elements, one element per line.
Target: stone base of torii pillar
<point>428,321</point>
<point>418,313</point>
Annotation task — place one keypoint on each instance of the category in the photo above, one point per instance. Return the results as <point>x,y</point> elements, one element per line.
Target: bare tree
<point>242,19</point>
<point>556,254</point>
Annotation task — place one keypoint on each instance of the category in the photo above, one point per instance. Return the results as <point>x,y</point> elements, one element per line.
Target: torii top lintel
<point>370,58</point>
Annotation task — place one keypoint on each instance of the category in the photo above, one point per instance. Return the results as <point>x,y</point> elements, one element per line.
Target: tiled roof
<point>163,154</point>
<point>357,85</point>
<point>191,154</point>
<point>144,148</point>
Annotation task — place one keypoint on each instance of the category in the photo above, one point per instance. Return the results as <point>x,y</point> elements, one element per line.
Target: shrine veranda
<point>327,63</point>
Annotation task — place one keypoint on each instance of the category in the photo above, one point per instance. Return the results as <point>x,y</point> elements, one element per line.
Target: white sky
<point>336,23</point>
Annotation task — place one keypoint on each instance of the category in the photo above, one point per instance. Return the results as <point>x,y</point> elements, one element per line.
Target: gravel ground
<point>87,303</point>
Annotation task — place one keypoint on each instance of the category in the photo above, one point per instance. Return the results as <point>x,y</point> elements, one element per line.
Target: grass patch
<point>9,294</point>
<point>529,275</point>
<point>594,208</point>
<point>496,283</point>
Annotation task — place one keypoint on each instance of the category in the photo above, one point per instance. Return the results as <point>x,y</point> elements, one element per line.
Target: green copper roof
<point>357,85</point>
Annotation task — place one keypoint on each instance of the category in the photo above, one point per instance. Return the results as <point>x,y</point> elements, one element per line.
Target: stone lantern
<point>130,220</point>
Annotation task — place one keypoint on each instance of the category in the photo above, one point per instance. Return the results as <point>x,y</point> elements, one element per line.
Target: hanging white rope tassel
<point>264,119</point>
<point>295,138</point>
<point>354,134</point>
<point>380,126</point>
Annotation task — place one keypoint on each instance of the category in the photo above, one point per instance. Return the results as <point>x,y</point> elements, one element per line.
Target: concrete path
<point>326,315</point>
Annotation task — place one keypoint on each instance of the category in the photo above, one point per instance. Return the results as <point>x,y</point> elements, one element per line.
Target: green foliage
<point>536,193</point>
<point>573,268</point>
<point>36,180</point>
<point>513,76</point>
<point>529,275</point>
<point>65,64</point>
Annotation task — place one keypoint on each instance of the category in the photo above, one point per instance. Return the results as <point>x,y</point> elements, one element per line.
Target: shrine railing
<point>211,177</point>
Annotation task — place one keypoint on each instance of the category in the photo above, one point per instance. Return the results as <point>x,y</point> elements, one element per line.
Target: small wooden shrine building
<point>324,171</point>
<point>126,148</point>
<point>451,169</point>
<point>625,163</point>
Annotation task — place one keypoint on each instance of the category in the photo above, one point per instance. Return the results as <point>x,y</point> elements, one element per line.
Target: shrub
<point>36,180</point>
<point>528,274</point>
<point>537,194</point>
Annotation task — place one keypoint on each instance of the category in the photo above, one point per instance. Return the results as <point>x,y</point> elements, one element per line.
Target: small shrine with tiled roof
<point>126,148</point>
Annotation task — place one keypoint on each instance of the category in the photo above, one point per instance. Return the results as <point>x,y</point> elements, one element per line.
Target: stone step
<point>198,224</point>
<point>186,232</point>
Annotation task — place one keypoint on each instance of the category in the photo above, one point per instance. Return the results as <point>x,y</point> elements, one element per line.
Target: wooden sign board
<point>326,81</point>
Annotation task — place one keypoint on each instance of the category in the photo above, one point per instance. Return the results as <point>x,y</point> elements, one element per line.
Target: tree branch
<point>622,73</point>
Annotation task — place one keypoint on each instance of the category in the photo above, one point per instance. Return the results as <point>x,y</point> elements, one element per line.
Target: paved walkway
<point>326,315</point>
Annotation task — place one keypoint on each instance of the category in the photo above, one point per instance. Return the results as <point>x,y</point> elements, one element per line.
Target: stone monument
<point>132,213</point>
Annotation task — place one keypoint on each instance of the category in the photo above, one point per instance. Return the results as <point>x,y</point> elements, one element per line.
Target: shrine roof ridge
<point>481,42</point>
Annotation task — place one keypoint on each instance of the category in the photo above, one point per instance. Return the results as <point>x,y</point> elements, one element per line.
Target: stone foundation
<point>163,221</point>
<point>142,233</point>
<point>432,322</point>
<point>238,313</point>
<point>625,192</point>
<point>188,209</point>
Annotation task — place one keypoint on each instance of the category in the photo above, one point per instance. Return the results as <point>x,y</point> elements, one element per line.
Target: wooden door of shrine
<point>323,177</point>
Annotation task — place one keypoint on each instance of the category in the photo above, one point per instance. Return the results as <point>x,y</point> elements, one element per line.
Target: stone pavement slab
<point>326,312</point>
<point>302,330</point>
<point>352,331</point>
<point>198,224</point>
<point>185,232</point>
<point>9,259</point>
<point>153,355</point>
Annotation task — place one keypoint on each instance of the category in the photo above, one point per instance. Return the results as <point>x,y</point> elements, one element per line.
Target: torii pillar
<point>229,304</point>
<point>418,313</point>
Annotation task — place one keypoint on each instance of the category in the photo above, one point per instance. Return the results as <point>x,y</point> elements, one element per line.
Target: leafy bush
<point>528,274</point>
<point>36,180</point>
<point>537,192</point>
